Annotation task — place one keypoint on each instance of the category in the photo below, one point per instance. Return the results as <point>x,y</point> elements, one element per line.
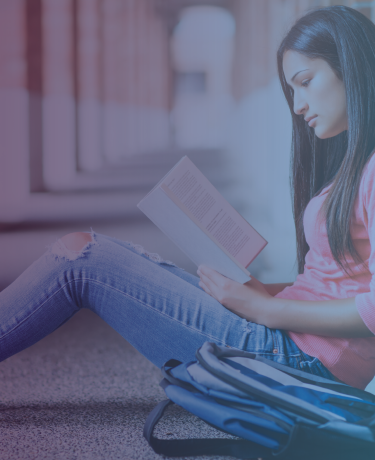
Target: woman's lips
<point>312,121</point>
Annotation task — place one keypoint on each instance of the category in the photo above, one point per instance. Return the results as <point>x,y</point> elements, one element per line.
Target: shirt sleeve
<point>365,302</point>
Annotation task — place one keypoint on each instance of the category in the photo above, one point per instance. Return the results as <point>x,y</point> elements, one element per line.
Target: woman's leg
<point>271,344</point>
<point>159,313</point>
<point>156,306</point>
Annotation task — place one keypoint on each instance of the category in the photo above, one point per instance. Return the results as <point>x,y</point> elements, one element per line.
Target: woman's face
<point>318,93</point>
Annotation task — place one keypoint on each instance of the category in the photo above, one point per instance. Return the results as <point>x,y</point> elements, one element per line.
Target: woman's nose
<point>300,105</point>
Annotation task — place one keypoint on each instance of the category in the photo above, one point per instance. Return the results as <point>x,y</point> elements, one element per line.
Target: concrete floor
<point>84,393</point>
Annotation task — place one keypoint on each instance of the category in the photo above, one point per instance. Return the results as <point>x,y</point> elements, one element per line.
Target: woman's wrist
<point>273,313</point>
<point>274,288</point>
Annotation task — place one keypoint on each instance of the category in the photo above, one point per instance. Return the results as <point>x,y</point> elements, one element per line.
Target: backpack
<point>277,412</point>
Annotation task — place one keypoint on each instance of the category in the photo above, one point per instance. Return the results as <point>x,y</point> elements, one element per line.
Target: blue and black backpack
<point>276,411</point>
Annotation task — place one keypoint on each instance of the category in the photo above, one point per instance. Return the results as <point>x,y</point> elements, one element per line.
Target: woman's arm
<point>252,301</point>
<point>332,318</point>
<point>275,288</point>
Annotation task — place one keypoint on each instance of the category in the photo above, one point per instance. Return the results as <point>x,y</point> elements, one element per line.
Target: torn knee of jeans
<point>151,255</point>
<point>61,251</point>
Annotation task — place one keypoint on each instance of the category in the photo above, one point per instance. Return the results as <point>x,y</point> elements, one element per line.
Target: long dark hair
<point>345,39</point>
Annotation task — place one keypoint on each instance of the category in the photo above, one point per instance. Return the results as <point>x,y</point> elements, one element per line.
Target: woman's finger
<point>212,274</point>
<point>205,281</point>
<point>205,288</point>
<point>209,286</point>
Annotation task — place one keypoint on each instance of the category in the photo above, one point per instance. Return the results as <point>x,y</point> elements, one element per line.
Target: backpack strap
<point>238,448</point>
<point>320,381</point>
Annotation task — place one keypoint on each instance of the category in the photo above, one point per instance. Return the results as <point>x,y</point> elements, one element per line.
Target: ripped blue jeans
<point>156,306</point>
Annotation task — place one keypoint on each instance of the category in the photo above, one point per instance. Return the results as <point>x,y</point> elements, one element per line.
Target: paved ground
<point>84,393</point>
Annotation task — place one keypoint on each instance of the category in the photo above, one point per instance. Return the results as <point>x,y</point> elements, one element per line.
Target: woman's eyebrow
<point>294,76</point>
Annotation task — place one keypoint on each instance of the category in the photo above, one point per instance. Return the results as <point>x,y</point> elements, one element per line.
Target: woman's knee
<point>76,241</point>
<point>73,245</point>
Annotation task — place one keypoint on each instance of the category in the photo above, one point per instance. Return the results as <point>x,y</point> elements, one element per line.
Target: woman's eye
<point>305,83</point>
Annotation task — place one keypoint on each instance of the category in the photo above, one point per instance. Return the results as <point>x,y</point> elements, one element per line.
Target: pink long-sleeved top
<point>351,360</point>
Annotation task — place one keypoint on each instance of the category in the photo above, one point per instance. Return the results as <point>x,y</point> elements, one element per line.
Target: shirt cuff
<point>366,309</point>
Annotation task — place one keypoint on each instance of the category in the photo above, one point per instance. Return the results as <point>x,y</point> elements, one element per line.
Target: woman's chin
<point>323,134</point>
<point>327,134</point>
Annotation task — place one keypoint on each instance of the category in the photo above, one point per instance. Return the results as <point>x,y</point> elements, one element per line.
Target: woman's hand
<point>250,300</point>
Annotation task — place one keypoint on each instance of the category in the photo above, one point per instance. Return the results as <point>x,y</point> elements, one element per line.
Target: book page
<point>189,188</point>
<point>189,237</point>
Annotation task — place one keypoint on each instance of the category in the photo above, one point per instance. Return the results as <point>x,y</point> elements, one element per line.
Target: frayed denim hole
<point>61,252</point>
<point>308,364</point>
<point>151,255</point>
<point>246,326</point>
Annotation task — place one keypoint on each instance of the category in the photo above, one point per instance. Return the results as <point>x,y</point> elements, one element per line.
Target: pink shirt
<point>351,360</point>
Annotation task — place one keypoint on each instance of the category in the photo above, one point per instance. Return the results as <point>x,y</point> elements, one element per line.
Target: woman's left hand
<point>250,300</point>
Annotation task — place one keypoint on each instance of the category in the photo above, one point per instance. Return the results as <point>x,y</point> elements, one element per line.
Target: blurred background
<point>100,98</point>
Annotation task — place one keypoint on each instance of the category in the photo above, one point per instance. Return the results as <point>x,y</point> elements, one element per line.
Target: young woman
<point>325,322</point>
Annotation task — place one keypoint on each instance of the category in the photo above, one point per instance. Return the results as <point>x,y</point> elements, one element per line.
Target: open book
<point>198,219</point>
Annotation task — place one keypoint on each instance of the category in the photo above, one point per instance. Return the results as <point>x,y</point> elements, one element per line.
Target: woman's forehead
<point>293,62</point>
